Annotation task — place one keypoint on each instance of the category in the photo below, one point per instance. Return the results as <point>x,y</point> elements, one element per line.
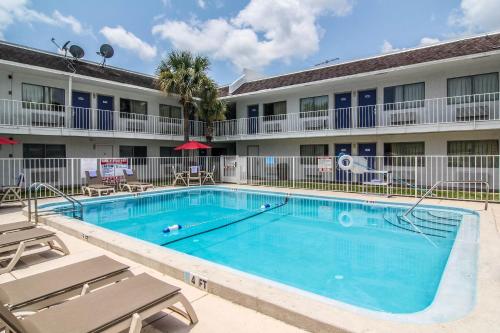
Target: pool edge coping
<point>219,288</point>
<point>296,315</point>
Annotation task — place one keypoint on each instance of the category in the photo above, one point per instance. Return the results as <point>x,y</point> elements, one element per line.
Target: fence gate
<point>230,169</point>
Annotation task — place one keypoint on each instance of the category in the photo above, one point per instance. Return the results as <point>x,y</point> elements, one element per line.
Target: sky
<point>267,36</point>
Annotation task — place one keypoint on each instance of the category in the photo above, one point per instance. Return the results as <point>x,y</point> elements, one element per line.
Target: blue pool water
<point>350,251</point>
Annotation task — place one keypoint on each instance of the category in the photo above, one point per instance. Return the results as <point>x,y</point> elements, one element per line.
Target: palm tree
<point>211,108</point>
<point>184,75</point>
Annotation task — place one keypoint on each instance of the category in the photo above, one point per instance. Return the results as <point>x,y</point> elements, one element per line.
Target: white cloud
<point>262,32</point>
<point>12,11</point>
<point>477,15</point>
<point>72,22</point>
<point>426,41</point>
<point>127,40</point>
<point>202,4</point>
<point>167,3</point>
<point>387,48</point>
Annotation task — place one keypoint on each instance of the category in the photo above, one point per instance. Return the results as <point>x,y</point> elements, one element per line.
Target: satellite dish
<point>76,51</point>
<point>65,46</point>
<point>105,51</point>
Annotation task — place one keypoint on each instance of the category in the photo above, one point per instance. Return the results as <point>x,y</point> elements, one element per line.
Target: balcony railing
<point>445,110</point>
<point>40,115</point>
<point>471,109</point>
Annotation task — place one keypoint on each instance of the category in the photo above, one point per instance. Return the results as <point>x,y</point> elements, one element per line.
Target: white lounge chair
<point>209,176</point>
<point>132,183</point>
<point>12,191</point>
<point>178,176</point>
<point>116,308</point>
<point>95,184</point>
<point>18,241</point>
<point>194,174</point>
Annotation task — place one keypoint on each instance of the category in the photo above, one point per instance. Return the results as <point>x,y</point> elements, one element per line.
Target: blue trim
<point>270,193</point>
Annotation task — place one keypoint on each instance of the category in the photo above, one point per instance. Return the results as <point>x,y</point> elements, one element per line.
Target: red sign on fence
<point>112,168</point>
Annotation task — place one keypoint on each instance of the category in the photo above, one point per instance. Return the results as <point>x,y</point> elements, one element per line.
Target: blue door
<point>343,110</point>
<point>368,151</point>
<point>366,108</point>
<point>105,113</point>
<point>342,149</point>
<point>81,112</point>
<point>253,121</point>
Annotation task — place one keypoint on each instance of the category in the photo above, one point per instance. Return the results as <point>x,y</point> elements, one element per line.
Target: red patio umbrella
<point>192,145</point>
<point>7,141</point>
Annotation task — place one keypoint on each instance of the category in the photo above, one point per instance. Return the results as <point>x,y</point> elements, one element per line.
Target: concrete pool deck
<point>214,313</point>
<point>299,309</point>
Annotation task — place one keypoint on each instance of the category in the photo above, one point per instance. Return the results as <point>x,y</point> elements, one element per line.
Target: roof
<point>453,49</point>
<point>223,91</point>
<point>24,55</point>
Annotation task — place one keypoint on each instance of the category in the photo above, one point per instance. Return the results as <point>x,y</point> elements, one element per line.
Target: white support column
<point>69,103</point>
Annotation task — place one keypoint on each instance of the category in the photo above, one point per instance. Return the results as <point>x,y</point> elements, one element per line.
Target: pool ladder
<point>76,206</point>
<point>426,223</point>
<point>418,229</point>
<point>429,191</point>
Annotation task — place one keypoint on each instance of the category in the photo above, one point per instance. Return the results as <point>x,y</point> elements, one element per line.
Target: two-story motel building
<point>441,99</point>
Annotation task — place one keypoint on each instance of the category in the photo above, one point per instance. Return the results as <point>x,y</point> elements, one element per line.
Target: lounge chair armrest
<point>135,324</point>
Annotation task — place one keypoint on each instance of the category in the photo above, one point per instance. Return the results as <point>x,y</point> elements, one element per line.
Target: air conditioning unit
<point>473,112</point>
<point>47,119</point>
<point>272,127</point>
<point>315,124</point>
<point>404,118</point>
<point>135,126</point>
<point>169,128</point>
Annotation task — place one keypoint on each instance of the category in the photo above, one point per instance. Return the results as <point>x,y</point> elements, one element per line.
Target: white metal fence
<point>68,174</point>
<point>396,175</point>
<point>28,114</point>
<point>444,110</point>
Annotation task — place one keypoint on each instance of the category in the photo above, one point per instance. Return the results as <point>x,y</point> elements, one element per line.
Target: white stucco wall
<point>20,76</point>
<point>435,143</point>
<point>88,147</point>
<point>435,77</point>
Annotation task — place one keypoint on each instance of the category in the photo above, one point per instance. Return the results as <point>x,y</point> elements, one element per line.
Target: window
<point>274,109</point>
<point>137,154</point>
<point>312,150</point>
<point>168,152</point>
<point>464,153</point>
<point>129,106</point>
<point>399,153</point>
<point>460,88</point>
<point>53,156</point>
<point>311,104</point>
<point>52,99</point>
<point>170,111</point>
<point>219,151</point>
<point>404,96</point>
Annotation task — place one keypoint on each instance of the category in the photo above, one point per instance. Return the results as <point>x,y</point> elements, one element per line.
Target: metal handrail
<point>36,186</point>
<point>429,191</point>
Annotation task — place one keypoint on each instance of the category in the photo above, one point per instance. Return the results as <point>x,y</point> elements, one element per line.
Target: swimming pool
<point>351,251</point>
